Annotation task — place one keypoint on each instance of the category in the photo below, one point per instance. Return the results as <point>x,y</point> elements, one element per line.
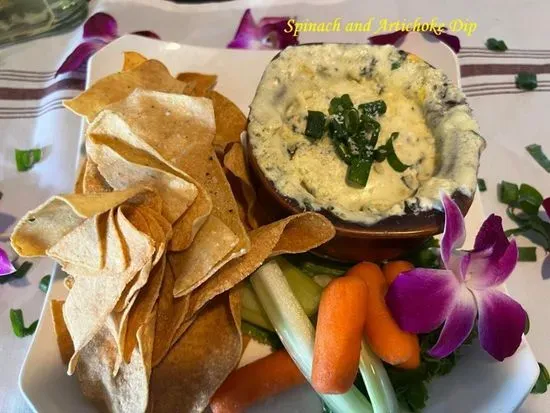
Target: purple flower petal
<point>491,272</point>
<point>458,324</point>
<point>546,206</point>
<point>419,300</point>
<point>491,234</point>
<point>6,267</point>
<point>274,37</point>
<point>387,38</point>
<point>501,323</point>
<point>101,25</point>
<point>80,55</point>
<point>452,41</point>
<point>147,33</point>
<point>454,232</point>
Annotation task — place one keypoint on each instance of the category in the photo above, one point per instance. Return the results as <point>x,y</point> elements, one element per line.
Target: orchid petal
<point>147,33</point>
<point>100,25</point>
<point>80,55</point>
<point>546,206</point>
<point>387,38</point>
<point>419,299</point>
<point>452,41</point>
<point>491,271</point>
<point>491,234</point>
<point>458,324</point>
<point>501,323</point>
<point>6,267</point>
<point>273,35</point>
<point>454,233</point>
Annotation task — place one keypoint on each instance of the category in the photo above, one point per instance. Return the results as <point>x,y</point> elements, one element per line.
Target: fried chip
<point>235,162</point>
<point>230,121</point>
<point>44,226</point>
<point>150,75</point>
<point>199,83</point>
<point>294,234</point>
<point>92,298</point>
<point>79,183</point>
<point>132,60</point>
<point>199,361</point>
<point>171,314</point>
<point>93,181</point>
<point>209,250</point>
<point>128,391</point>
<point>64,342</point>
<point>177,194</point>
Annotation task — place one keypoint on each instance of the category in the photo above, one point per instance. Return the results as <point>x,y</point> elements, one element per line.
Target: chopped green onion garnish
<point>342,151</point>
<point>529,199</point>
<point>527,324</point>
<point>496,45</point>
<point>351,121</point>
<point>508,192</point>
<point>25,159</point>
<point>481,185</point>
<point>396,65</point>
<point>18,324</point>
<point>526,81</point>
<point>516,231</point>
<point>392,158</point>
<point>359,171</point>
<point>376,108</point>
<point>542,382</point>
<point>373,127</point>
<point>45,283</point>
<point>340,104</point>
<point>19,273</point>
<point>527,254</point>
<point>538,155</point>
<point>315,126</point>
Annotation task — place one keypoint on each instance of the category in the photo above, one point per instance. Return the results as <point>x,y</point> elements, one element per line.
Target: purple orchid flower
<point>269,33</point>
<point>6,267</point>
<point>546,206</point>
<point>422,299</point>
<point>99,30</point>
<point>392,38</point>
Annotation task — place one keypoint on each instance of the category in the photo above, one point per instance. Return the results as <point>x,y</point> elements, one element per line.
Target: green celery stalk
<point>297,333</point>
<point>307,291</point>
<point>251,309</point>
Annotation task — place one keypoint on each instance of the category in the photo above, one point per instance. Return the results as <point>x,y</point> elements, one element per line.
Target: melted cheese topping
<point>437,135</point>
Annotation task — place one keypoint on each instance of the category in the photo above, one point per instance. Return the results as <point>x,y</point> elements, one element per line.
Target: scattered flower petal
<point>6,267</point>
<point>501,323</point>
<point>392,38</point>
<point>80,55</point>
<point>100,25</point>
<point>147,33</point>
<point>546,206</point>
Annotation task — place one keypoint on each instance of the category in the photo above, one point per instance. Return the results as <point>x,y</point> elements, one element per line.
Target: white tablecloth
<point>509,121</point>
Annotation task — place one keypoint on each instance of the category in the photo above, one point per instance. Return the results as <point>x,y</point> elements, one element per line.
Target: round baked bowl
<point>282,158</point>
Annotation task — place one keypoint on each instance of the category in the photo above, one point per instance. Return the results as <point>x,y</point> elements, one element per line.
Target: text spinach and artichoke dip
<point>362,131</point>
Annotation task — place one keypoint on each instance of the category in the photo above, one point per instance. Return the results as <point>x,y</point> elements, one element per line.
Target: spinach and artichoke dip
<point>365,132</point>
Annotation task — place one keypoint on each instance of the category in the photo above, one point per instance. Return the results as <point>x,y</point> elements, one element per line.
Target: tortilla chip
<point>294,234</point>
<point>193,266</point>
<point>199,83</point>
<point>128,391</point>
<point>185,324</point>
<point>79,183</point>
<point>44,226</point>
<point>68,282</point>
<point>230,121</point>
<point>235,162</point>
<point>142,307</point>
<point>150,75</point>
<point>93,181</point>
<point>64,342</point>
<point>93,298</point>
<point>171,315</point>
<point>132,60</point>
<point>177,194</point>
<point>199,362</point>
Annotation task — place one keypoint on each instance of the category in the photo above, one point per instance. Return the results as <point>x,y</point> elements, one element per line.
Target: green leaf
<point>526,81</point>
<point>18,324</point>
<point>508,192</point>
<point>538,155</point>
<point>45,283</point>
<point>527,254</point>
<point>19,273</point>
<point>542,382</point>
<point>496,45</point>
<point>516,231</point>
<point>25,159</point>
<point>481,185</point>
<point>529,199</point>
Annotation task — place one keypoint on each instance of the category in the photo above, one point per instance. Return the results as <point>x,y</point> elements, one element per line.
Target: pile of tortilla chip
<point>155,239</point>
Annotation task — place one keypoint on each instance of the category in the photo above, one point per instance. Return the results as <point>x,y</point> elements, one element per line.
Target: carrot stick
<point>340,322</point>
<point>386,339</point>
<point>256,381</point>
<point>394,268</point>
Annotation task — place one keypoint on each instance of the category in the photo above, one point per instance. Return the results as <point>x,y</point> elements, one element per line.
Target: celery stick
<point>251,309</point>
<point>323,279</point>
<point>297,333</point>
<point>307,291</point>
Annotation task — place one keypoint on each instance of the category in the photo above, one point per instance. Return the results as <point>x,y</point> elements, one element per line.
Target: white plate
<point>478,384</point>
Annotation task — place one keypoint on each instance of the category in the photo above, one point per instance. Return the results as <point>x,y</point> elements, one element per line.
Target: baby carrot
<point>394,268</point>
<point>386,339</point>
<point>256,381</point>
<point>340,322</point>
